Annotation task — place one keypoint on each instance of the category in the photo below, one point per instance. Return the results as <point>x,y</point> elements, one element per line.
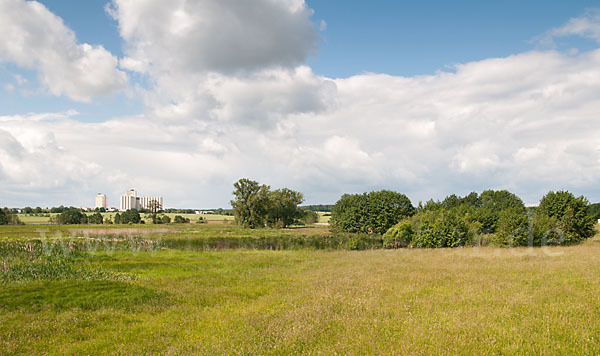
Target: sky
<point>181,99</point>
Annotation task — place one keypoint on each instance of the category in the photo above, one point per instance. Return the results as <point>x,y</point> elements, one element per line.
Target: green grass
<point>467,301</point>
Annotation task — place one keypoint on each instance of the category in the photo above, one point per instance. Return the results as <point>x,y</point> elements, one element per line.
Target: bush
<point>441,228</point>
<point>309,217</point>
<point>178,219</point>
<point>399,235</point>
<point>512,229</point>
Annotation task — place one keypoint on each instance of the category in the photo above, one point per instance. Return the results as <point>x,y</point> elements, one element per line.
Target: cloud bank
<point>526,122</point>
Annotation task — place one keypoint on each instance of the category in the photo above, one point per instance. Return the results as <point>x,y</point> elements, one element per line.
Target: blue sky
<point>420,37</point>
<point>428,98</point>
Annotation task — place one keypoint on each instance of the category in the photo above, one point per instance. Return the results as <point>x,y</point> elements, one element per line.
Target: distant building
<point>131,201</point>
<point>101,201</point>
<point>146,202</point>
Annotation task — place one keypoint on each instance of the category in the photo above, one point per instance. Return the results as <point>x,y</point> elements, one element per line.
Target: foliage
<point>373,212</point>
<point>309,217</point>
<point>255,205</point>
<point>512,229</point>
<point>130,216</point>
<point>72,217</point>
<point>95,218</point>
<point>250,204</point>
<point>399,235</point>
<point>282,210</point>
<point>570,214</point>
<point>594,211</point>
<point>8,217</point>
<point>178,219</point>
<point>440,228</point>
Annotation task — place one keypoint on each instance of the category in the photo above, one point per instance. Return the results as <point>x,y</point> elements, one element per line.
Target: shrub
<point>309,217</point>
<point>399,235</point>
<point>512,229</point>
<point>441,228</point>
<point>178,219</point>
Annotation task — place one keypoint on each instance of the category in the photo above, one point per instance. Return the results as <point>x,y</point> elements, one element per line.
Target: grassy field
<point>40,219</point>
<point>145,299</point>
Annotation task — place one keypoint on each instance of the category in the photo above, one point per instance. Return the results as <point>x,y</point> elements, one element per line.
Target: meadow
<point>134,290</point>
<point>44,218</point>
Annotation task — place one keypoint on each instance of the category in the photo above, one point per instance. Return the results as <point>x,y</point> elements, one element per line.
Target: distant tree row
<point>256,206</point>
<point>494,217</point>
<point>319,208</point>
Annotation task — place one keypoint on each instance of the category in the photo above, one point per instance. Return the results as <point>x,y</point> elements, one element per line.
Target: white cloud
<point>225,36</point>
<point>32,37</point>
<point>587,26</point>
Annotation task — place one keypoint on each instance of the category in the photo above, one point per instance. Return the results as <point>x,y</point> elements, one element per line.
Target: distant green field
<point>324,217</point>
<point>144,298</point>
<point>32,219</point>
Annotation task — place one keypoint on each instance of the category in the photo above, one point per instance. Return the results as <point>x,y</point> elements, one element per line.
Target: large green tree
<point>373,212</point>
<point>283,209</point>
<point>570,214</point>
<point>251,203</point>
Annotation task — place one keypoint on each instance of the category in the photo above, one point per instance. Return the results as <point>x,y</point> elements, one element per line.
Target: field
<point>41,219</point>
<point>138,292</point>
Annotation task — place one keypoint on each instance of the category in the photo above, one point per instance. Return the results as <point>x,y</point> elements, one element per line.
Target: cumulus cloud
<point>228,61</point>
<point>214,35</point>
<point>32,37</point>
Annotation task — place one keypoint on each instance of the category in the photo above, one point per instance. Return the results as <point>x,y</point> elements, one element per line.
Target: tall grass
<point>31,260</point>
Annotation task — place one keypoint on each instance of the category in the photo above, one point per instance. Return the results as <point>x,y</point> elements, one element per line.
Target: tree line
<point>493,217</point>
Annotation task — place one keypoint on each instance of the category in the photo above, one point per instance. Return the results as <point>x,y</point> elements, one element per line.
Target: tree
<point>251,203</point>
<point>96,218</point>
<point>72,217</point>
<point>130,216</point>
<point>154,207</point>
<point>491,203</point>
<point>117,218</point>
<point>570,214</point>
<point>282,209</point>
<point>373,212</point>
<point>309,217</point>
